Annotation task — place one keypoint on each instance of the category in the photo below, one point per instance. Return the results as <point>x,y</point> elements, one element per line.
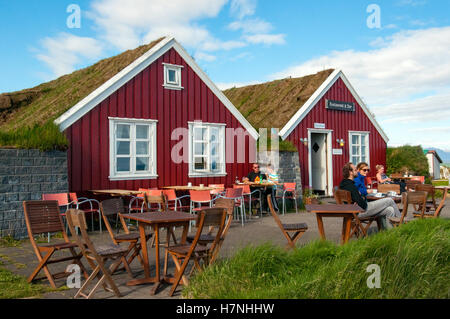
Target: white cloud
<point>242,8</point>
<point>66,51</point>
<point>205,57</point>
<point>403,65</point>
<point>251,26</point>
<point>267,39</point>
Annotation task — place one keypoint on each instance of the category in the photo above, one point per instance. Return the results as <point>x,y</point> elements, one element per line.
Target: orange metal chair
<point>175,202</point>
<point>237,194</point>
<point>63,202</point>
<point>289,192</point>
<point>250,199</point>
<point>91,210</point>
<point>219,189</point>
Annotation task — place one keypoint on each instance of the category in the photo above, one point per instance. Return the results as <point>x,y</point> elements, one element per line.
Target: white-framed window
<point>172,76</point>
<point>206,149</point>
<point>132,148</point>
<point>359,147</point>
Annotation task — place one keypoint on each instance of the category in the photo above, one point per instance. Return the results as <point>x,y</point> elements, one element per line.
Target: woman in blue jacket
<point>362,169</point>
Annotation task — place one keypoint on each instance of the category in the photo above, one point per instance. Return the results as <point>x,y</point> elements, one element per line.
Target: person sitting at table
<point>360,179</point>
<point>382,208</point>
<point>256,176</point>
<point>273,177</point>
<point>382,178</point>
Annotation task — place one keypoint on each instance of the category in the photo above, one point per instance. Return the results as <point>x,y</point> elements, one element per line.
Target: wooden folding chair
<point>360,225</point>
<point>116,206</point>
<point>433,213</point>
<point>384,188</point>
<point>431,203</point>
<point>43,217</point>
<point>214,217</point>
<point>208,238</point>
<point>96,256</point>
<point>297,229</point>
<point>410,198</point>
<point>411,184</point>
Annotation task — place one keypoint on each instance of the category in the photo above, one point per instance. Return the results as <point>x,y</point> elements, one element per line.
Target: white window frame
<point>361,134</point>
<point>172,85</point>
<point>207,172</point>
<point>132,174</point>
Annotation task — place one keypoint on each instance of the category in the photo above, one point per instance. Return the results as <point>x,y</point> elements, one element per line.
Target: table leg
<point>147,278</point>
<point>346,229</point>
<point>320,226</point>
<point>157,278</point>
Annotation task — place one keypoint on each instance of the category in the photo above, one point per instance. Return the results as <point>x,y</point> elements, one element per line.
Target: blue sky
<point>401,70</point>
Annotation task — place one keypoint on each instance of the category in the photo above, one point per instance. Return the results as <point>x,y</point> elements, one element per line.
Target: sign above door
<point>340,106</point>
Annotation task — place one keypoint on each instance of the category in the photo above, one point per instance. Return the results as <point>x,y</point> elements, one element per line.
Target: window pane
<point>355,139</point>
<point>142,131</point>
<point>142,164</point>
<point>142,148</point>
<point>363,159</point>
<point>355,150</point>
<point>200,163</point>
<point>123,164</point>
<point>363,140</point>
<point>363,150</point>
<point>215,164</point>
<point>172,76</point>
<point>200,149</point>
<point>214,135</point>
<point>123,148</point>
<point>200,134</point>
<point>355,160</point>
<point>123,131</point>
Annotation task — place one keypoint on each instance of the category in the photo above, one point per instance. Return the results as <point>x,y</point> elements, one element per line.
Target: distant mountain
<point>444,155</point>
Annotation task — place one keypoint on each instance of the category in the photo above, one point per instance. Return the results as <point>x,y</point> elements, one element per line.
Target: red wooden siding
<point>340,122</point>
<point>144,97</point>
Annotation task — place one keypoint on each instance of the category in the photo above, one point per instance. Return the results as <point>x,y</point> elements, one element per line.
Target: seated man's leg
<point>379,209</point>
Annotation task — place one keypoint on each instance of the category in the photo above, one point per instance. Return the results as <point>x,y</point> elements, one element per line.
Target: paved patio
<point>22,260</point>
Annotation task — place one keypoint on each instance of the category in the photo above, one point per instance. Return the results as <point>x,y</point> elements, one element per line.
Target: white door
<point>318,149</point>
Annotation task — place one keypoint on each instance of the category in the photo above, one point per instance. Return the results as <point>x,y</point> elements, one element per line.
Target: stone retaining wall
<point>26,175</point>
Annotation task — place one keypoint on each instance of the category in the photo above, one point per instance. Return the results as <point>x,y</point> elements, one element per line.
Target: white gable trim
<point>121,78</point>
<point>315,98</point>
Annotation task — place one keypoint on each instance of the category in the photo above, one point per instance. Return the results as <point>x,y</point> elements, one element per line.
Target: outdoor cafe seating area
<point>186,227</point>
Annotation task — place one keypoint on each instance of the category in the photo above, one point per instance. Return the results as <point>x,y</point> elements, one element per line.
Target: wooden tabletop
<point>115,192</point>
<point>190,188</point>
<point>441,187</point>
<point>334,208</point>
<point>266,184</point>
<point>170,216</point>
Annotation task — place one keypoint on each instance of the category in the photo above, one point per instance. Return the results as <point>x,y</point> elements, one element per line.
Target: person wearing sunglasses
<point>360,180</point>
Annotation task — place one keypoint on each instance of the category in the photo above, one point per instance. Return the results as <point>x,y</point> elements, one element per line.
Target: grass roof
<point>272,104</point>
<point>44,103</point>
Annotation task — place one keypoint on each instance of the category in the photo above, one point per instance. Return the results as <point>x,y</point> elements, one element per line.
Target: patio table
<point>348,212</point>
<point>115,192</point>
<point>157,220</point>
<point>190,188</point>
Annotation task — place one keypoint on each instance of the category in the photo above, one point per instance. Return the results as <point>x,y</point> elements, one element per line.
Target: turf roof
<point>273,104</point>
<point>47,101</point>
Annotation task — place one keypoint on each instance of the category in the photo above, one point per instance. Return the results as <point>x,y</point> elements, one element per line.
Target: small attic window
<point>172,76</point>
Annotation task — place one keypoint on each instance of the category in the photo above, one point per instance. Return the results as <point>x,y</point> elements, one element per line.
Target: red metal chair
<point>174,202</point>
<point>139,199</point>
<point>237,194</point>
<point>250,199</point>
<point>200,198</point>
<point>289,192</point>
<point>219,189</point>
<point>91,210</point>
<point>63,202</point>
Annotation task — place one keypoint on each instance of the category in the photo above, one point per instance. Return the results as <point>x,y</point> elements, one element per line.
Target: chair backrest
<point>110,207</point>
<point>77,218</point>
<point>421,179</point>
<point>156,199</point>
<point>413,198</point>
<point>61,198</point>
<point>234,192</point>
<point>228,204</point>
<point>214,218</point>
<point>245,188</point>
<point>384,188</point>
<point>289,186</point>
<point>274,213</point>
<point>171,195</point>
<point>42,216</point>
<point>200,196</point>
<point>73,197</point>
<point>411,184</point>
<point>426,188</point>
<point>341,196</point>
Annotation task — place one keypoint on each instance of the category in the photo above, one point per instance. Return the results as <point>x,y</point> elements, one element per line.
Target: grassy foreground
<point>414,263</point>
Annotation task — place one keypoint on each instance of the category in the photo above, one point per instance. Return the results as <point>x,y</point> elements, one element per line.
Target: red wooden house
<point>159,122</point>
<point>324,117</point>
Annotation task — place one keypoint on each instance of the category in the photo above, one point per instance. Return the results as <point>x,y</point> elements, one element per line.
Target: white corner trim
<point>315,98</point>
<point>117,81</point>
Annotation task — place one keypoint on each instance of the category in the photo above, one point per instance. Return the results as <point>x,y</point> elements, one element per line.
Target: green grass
<point>13,286</point>
<point>44,137</point>
<point>414,263</point>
